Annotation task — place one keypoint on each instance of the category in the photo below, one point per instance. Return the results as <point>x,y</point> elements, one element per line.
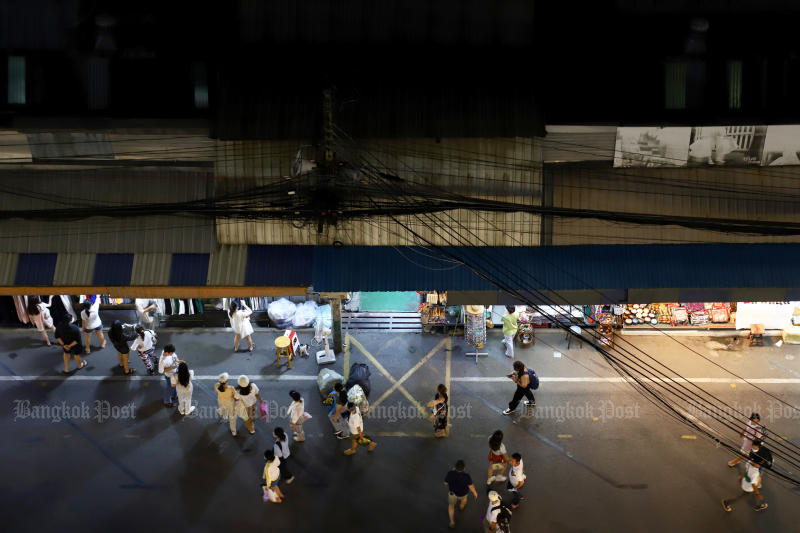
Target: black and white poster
<point>726,145</point>
<point>782,146</point>
<point>651,147</point>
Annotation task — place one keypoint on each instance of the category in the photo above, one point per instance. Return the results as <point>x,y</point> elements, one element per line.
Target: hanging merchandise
<point>475,330</point>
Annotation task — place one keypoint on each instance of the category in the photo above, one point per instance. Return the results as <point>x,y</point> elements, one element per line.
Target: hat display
<point>474,309</point>
<point>243,381</point>
<point>223,378</point>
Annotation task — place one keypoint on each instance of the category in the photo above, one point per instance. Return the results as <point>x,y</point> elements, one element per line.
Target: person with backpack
<point>750,485</point>
<point>498,517</point>
<point>753,431</point>
<point>526,381</point>
<point>145,344</point>
<point>498,458</point>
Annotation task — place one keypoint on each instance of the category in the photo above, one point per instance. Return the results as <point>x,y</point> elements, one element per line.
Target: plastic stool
<point>282,349</point>
<point>756,334</point>
<point>570,336</point>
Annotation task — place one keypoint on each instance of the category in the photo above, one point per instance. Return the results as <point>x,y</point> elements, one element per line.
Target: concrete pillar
<point>336,314</point>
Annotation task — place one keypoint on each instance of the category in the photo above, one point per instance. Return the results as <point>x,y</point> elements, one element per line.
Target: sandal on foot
<point>83,364</point>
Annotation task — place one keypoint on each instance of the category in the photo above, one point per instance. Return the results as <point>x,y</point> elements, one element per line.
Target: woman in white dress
<point>184,388</point>
<point>39,313</point>
<point>240,322</point>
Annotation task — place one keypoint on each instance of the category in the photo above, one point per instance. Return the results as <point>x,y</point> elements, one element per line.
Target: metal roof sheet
<point>74,269</point>
<point>188,270</point>
<point>8,268</point>
<point>226,265</point>
<point>151,269</point>
<point>113,269</point>
<point>35,269</point>
<point>287,266</point>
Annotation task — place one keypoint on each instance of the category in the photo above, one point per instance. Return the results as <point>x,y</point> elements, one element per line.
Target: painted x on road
<point>397,384</point>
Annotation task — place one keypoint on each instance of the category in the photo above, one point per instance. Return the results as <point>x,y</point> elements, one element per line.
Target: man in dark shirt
<point>68,335</point>
<point>460,485</point>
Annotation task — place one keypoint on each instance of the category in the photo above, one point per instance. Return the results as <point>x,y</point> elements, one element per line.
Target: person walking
<point>459,485</point>
<point>516,479</point>
<point>184,388</point>
<point>440,408</point>
<point>240,323</point>
<point>355,423</point>
<point>510,326</point>
<point>168,367</point>
<point>754,430</point>
<point>492,513</point>
<point>90,316</point>
<point>522,377</point>
<point>145,343</point>
<point>248,399</point>
<point>39,313</point>
<point>272,474</point>
<point>498,458</point>
<point>336,410</point>
<point>68,336</point>
<point>226,401</point>
<point>750,484</point>
<point>282,451</point>
<point>119,335</point>
<point>297,415</point>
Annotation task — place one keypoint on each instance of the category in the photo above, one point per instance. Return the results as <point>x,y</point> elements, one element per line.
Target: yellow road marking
<point>595,419</point>
<point>689,437</point>
<point>131,436</point>
<point>564,436</point>
<point>395,384</point>
<point>733,385</point>
<point>398,383</point>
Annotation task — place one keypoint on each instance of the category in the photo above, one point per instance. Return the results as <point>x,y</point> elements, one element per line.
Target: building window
<point>200,83</point>
<point>16,80</point>
<point>675,85</point>
<point>734,69</point>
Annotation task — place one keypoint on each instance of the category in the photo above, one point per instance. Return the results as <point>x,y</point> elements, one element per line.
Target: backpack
<point>503,518</point>
<point>534,379</point>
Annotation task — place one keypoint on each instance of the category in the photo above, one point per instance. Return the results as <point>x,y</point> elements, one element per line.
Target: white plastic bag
<point>281,313</point>
<point>357,396</point>
<point>305,314</point>
<point>324,317</point>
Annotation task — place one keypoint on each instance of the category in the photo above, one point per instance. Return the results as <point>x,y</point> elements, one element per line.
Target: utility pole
<point>327,127</point>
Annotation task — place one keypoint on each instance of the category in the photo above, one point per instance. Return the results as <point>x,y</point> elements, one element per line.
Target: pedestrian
<point>90,316</point>
<point>272,474</point>
<point>498,458</point>
<point>356,425</point>
<point>240,323</point>
<point>39,313</point>
<point>750,484</point>
<point>492,513</point>
<point>248,399</point>
<point>226,401</point>
<point>754,430</point>
<point>119,335</point>
<point>459,485</point>
<point>440,411</point>
<point>184,387</point>
<point>297,415</point>
<point>145,344</point>
<point>146,310</point>
<point>168,367</point>
<point>336,409</point>
<point>510,320</point>
<point>281,448</point>
<point>522,377</point>
<point>516,478</point>
<point>68,335</point>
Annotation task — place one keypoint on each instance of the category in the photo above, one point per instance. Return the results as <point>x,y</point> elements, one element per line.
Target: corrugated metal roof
<point>579,143</point>
<point>227,265</point>
<point>113,269</point>
<point>35,269</point>
<point>74,269</point>
<point>288,266</point>
<point>8,268</point>
<point>151,269</point>
<point>188,270</point>
<point>61,188</point>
